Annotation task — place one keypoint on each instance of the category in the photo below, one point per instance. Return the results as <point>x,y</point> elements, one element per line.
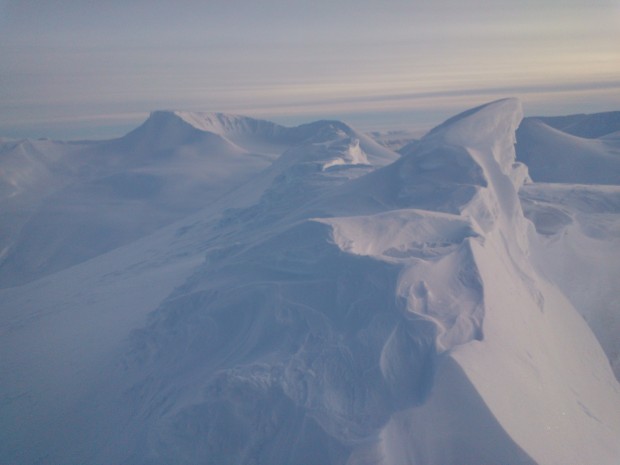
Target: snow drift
<point>342,305</point>
<point>571,155</point>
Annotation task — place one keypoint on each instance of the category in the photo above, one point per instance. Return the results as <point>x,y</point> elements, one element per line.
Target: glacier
<point>214,289</point>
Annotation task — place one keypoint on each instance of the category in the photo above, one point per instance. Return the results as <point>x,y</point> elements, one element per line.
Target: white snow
<point>556,156</point>
<point>90,198</point>
<point>313,298</point>
<point>579,249</point>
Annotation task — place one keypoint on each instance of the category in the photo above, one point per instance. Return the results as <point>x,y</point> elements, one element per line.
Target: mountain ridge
<point>342,305</point>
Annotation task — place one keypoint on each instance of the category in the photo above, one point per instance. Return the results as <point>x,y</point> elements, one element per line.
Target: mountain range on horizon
<point>213,288</point>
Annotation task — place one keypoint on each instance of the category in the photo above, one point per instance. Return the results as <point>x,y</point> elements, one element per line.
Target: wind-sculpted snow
<point>556,156</point>
<point>591,126</point>
<point>579,228</point>
<point>349,307</point>
<point>439,280</point>
<point>339,329</point>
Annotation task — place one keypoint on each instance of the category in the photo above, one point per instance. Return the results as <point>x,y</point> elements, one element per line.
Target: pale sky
<point>82,69</point>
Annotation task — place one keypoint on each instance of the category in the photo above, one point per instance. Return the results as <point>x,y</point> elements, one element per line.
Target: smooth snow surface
<point>579,248</point>
<point>329,302</point>
<point>553,155</point>
<point>588,126</point>
<point>576,210</point>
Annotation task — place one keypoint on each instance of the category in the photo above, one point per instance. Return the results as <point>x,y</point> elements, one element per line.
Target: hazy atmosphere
<point>286,232</point>
<point>86,69</point>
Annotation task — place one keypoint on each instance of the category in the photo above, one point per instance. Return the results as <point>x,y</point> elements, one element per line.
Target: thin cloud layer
<point>70,60</point>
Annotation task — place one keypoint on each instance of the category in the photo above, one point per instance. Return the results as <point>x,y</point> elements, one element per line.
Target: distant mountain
<point>574,149</point>
<point>395,140</point>
<point>592,126</point>
<point>310,296</point>
<point>69,202</point>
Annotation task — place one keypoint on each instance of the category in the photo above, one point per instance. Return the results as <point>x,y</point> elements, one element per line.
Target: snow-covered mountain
<point>590,126</point>
<point>64,203</point>
<point>320,299</point>
<point>575,206</point>
<point>580,149</point>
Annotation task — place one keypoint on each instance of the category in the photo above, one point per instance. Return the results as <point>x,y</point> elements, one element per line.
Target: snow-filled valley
<point>216,289</point>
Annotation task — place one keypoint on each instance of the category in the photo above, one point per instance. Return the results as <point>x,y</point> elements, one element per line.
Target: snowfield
<point>215,289</point>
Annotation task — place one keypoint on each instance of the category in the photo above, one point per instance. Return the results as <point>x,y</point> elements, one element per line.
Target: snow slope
<point>553,155</point>
<point>66,203</point>
<point>94,197</point>
<point>579,249</point>
<point>576,213</point>
<point>341,306</point>
<point>592,126</point>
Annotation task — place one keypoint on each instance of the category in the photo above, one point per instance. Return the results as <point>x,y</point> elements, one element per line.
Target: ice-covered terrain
<point>306,295</point>
<point>579,149</point>
<point>575,206</point>
<point>63,203</point>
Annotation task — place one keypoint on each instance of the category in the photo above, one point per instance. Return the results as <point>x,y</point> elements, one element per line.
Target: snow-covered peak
<point>491,125</point>
<point>557,155</point>
<point>228,124</point>
<point>232,125</point>
<point>369,313</point>
<point>446,170</point>
<point>235,134</point>
<point>345,144</point>
<point>478,124</point>
<point>589,126</point>
<point>166,130</point>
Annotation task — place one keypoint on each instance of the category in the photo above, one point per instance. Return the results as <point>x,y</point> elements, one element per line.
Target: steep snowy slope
<point>343,311</point>
<point>578,223</point>
<point>66,203</point>
<point>579,249</point>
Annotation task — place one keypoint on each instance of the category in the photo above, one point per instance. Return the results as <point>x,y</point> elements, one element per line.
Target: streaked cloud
<point>291,59</point>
